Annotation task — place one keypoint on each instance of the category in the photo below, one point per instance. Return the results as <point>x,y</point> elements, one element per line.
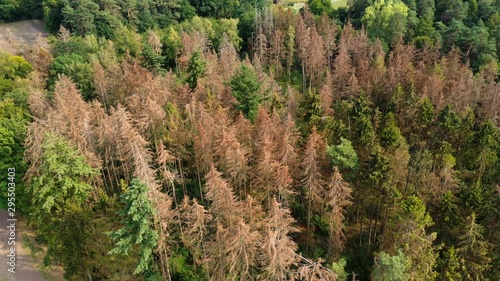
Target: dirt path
<point>24,267</point>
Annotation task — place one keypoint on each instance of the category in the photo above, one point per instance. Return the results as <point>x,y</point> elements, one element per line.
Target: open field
<point>24,32</point>
<point>299,4</point>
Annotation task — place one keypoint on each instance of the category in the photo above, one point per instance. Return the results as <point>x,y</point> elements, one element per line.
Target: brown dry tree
<point>343,71</point>
<point>260,48</point>
<point>314,271</point>
<point>337,198</point>
<point>228,58</point>
<point>287,147</point>
<point>278,249</point>
<point>328,31</point>
<point>195,221</point>
<point>232,159</point>
<point>276,52</point>
<point>315,60</point>
<point>223,203</point>
<point>326,95</point>
<point>233,250</point>
<point>271,176</point>
<point>303,42</point>
<point>312,180</point>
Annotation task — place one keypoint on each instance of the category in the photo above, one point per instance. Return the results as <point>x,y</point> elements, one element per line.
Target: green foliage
<point>214,29</point>
<point>487,139</point>
<point>390,268</point>
<point>230,28</point>
<point>11,10</point>
<point>363,126</point>
<point>449,120</point>
<point>473,42</point>
<point>106,24</point>
<point>75,67</point>
<point>13,122</point>
<point>339,268</point>
<point>138,215</point>
<point>450,265</point>
<point>409,236</point>
<point>89,16</point>
<point>377,168</point>
<point>8,9</point>
<point>413,208</point>
<point>196,69</point>
<point>79,16</point>
<point>386,19</point>
<point>171,41</point>
<point>127,41</point>
<point>59,194</point>
<point>426,112</point>
<point>182,269</point>
<point>63,177</point>
<point>245,88</point>
<point>14,118</point>
<point>11,68</point>
<point>77,45</point>
<point>390,136</point>
<point>320,7</point>
<point>380,100</point>
<point>216,8</point>
<point>103,265</point>
<point>150,59</point>
<point>473,250</point>
<point>343,156</point>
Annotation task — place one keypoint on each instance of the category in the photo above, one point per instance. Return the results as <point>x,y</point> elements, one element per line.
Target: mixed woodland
<point>245,140</point>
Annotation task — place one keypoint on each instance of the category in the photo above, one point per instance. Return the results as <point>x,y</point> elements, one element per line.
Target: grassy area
<point>298,4</point>
<point>339,3</point>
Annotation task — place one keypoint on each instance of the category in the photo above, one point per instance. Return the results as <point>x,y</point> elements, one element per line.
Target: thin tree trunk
<point>376,218</point>
<point>199,181</point>
<point>308,227</point>
<point>370,234</point>
<point>361,227</point>
<point>303,78</point>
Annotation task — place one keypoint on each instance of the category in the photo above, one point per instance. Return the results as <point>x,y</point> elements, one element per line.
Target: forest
<point>245,140</point>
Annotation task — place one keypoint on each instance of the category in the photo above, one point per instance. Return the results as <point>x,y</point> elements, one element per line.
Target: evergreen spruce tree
<point>473,251</point>
<point>138,226</point>
<point>196,69</point>
<point>245,88</point>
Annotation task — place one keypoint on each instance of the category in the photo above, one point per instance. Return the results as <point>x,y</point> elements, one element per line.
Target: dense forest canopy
<point>245,140</point>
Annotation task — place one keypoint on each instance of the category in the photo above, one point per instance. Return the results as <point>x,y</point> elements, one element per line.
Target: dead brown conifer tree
<point>312,181</point>
<point>278,248</point>
<point>337,198</point>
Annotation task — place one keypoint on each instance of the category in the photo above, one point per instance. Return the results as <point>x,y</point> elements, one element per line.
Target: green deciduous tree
<point>386,19</point>
<point>63,177</point>
<point>59,192</point>
<point>320,7</point>
<point>343,156</point>
<point>75,67</point>
<point>390,268</point>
